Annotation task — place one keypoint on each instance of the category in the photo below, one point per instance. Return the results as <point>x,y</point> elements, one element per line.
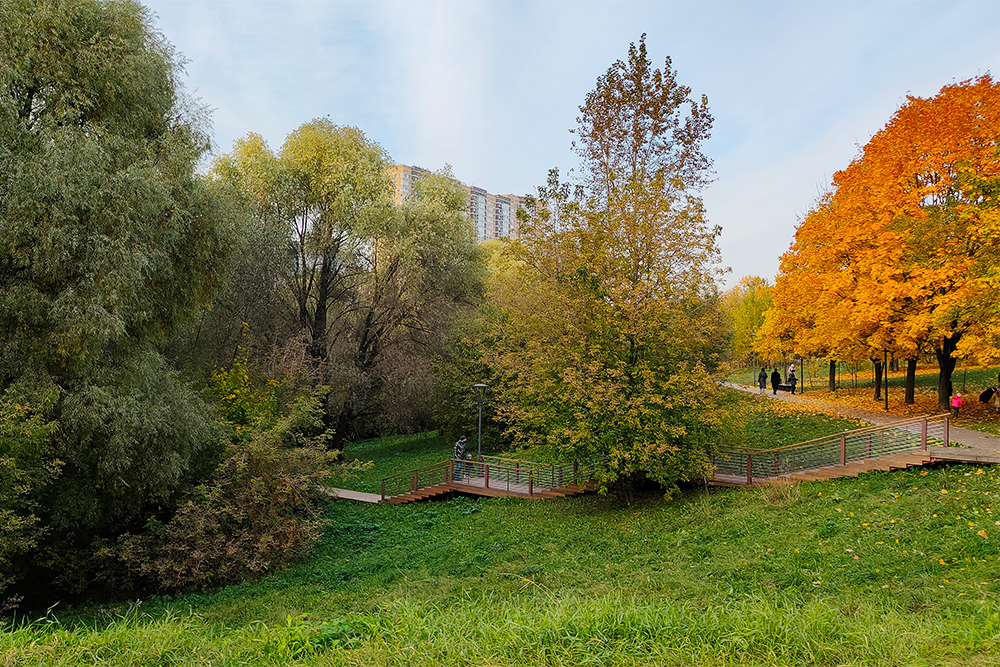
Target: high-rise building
<point>493,216</point>
<point>404,177</point>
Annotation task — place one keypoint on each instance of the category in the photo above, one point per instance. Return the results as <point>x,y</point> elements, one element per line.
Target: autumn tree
<point>744,306</point>
<point>109,242</point>
<point>904,249</point>
<point>607,323</point>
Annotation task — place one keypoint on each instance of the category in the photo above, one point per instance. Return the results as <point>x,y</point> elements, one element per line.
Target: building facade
<point>493,216</point>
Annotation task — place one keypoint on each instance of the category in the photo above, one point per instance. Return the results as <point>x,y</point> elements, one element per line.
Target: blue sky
<point>493,87</point>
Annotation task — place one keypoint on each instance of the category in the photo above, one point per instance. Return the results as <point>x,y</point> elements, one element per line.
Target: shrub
<point>260,511</point>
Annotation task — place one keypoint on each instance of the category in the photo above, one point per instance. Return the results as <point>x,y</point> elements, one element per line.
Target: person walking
<point>762,379</point>
<point>956,403</point>
<point>791,378</point>
<point>775,381</point>
<point>460,455</point>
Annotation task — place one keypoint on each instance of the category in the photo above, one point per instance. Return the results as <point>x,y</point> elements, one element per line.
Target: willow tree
<point>369,286</point>
<point>608,322</point>
<point>108,244</point>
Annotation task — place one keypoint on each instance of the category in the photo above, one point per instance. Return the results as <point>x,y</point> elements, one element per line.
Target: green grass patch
<point>885,569</point>
<point>760,422</point>
<point>392,455</point>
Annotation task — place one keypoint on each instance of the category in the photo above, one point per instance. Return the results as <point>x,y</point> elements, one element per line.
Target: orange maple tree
<point>903,254</point>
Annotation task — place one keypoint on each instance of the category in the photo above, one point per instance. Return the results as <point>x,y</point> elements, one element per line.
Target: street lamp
<point>479,390</point>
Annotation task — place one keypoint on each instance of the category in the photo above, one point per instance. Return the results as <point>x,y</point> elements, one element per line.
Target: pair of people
<point>776,379</point>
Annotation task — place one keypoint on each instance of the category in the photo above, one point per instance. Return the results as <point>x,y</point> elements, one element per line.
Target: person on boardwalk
<point>762,379</point>
<point>956,403</point>
<point>791,378</point>
<point>460,455</point>
<point>775,381</point>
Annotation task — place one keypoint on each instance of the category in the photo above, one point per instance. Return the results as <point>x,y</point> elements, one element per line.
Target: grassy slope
<point>885,569</point>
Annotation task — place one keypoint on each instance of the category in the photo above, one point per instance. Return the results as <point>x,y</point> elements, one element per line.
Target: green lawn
<point>886,569</point>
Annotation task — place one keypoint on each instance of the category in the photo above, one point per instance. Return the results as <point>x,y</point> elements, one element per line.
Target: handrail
<point>523,462</point>
<point>857,431</point>
<point>838,449</point>
<point>427,468</point>
<point>548,476</point>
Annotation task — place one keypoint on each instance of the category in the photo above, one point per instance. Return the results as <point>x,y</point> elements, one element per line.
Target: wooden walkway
<point>491,477</point>
<point>475,487</point>
<point>895,446</point>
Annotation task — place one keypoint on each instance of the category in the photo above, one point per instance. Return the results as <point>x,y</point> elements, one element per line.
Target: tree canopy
<point>606,322</point>
<point>902,254</point>
<point>109,243</point>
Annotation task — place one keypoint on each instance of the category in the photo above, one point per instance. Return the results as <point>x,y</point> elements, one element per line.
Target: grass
<point>884,569</point>
<point>764,423</point>
<point>394,455</point>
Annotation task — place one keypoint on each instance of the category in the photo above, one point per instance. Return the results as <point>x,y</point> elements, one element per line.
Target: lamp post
<point>479,390</point>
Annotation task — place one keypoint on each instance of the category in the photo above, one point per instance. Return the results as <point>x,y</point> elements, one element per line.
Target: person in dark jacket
<point>762,379</point>
<point>775,381</point>
<point>792,380</point>
<point>460,455</point>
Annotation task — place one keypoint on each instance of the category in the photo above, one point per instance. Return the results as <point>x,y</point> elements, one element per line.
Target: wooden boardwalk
<point>476,487</point>
<point>490,477</point>
<point>894,446</point>
<point>897,461</point>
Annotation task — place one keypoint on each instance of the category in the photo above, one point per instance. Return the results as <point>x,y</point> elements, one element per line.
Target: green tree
<point>745,305</point>
<point>109,243</point>
<point>609,319</point>
<point>373,288</point>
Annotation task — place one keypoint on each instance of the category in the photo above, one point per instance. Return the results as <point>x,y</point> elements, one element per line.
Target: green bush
<point>260,510</point>
<point>26,466</point>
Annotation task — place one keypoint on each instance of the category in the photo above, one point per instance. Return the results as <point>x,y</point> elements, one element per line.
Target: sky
<point>493,87</point>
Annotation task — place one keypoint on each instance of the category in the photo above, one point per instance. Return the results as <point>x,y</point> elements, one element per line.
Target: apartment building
<point>493,216</point>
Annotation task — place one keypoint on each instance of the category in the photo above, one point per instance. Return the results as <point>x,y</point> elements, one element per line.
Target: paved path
<point>360,496</point>
<point>985,445</point>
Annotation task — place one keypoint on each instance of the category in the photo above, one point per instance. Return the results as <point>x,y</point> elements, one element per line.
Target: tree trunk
<point>833,376</point>
<point>911,380</point>
<point>878,379</point>
<point>946,366</point>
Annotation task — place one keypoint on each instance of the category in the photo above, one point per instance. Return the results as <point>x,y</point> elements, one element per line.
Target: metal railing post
<point>843,450</point>
<point>749,468</point>
<point>946,434</point>
<point>517,472</point>
<point>531,482</point>
<point>487,475</point>
<point>923,434</point>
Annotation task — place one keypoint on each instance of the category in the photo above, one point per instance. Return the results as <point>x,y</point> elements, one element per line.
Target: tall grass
<point>533,629</point>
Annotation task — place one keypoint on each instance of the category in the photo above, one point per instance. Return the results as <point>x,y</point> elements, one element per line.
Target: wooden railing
<point>842,448</point>
<point>489,472</point>
<point>413,480</point>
